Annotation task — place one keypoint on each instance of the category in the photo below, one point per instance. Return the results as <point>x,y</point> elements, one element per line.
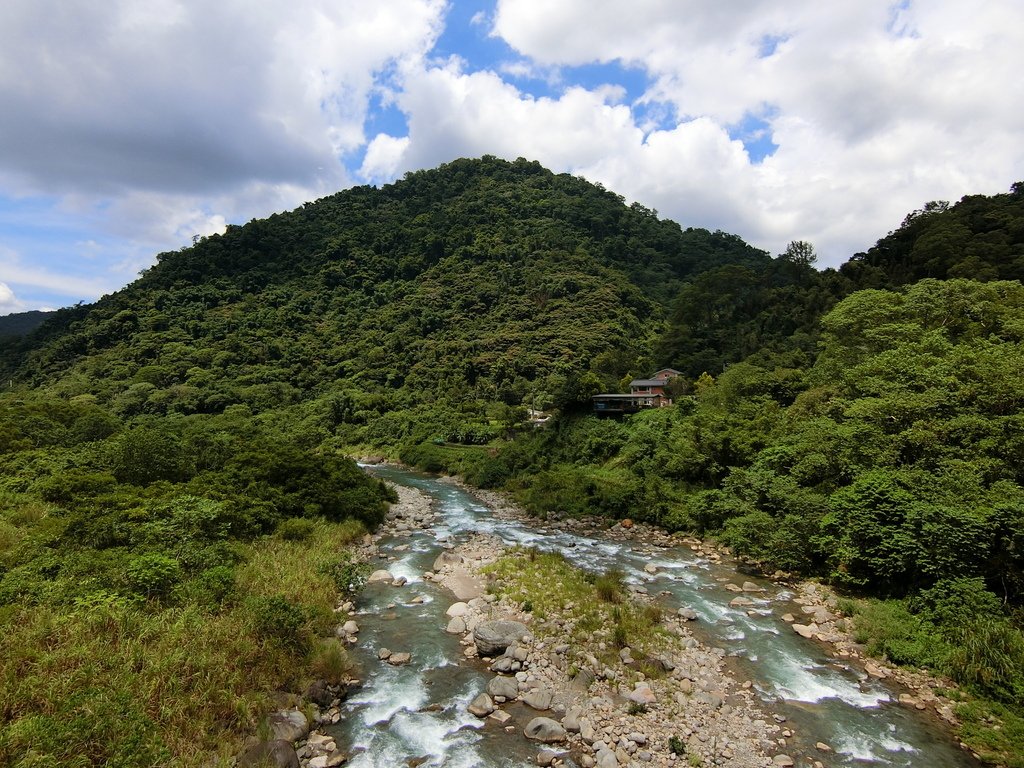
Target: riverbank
<point>665,699</point>
<point>813,610</point>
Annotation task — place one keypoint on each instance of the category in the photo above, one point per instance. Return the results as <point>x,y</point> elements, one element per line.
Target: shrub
<point>988,656</point>
<point>295,529</point>
<point>274,618</point>
<point>676,745</point>
<point>153,574</point>
<point>330,661</point>
<point>636,708</point>
<point>348,575</point>
<point>611,586</point>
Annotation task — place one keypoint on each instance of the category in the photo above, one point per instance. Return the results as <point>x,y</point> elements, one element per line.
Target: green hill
<point>21,323</point>
<point>479,282</point>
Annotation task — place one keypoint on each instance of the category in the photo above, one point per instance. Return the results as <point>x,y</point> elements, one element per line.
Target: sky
<point>128,127</point>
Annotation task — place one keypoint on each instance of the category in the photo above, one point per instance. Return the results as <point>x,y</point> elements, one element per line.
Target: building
<point>643,393</point>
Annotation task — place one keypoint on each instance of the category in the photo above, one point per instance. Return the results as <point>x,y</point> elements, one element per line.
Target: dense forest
<point>862,424</point>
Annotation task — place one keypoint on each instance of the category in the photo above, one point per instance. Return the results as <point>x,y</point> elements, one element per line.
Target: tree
<point>800,252</point>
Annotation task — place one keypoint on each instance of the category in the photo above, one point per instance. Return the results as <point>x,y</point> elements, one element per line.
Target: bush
<point>152,575</point>
<point>331,662</point>
<point>295,529</point>
<point>988,657</point>
<point>274,618</point>
<point>610,586</point>
<point>348,575</point>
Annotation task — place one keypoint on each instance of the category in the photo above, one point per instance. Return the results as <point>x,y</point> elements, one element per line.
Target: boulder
<point>642,694</point>
<point>456,626</point>
<point>396,659</point>
<point>503,686</point>
<point>278,753</point>
<point>446,558</point>
<point>481,706</point>
<point>493,637</point>
<point>544,730</point>
<point>784,761</point>
<point>687,613</point>
<point>571,721</point>
<point>749,586</point>
<point>288,725</point>
<point>319,693</point>
<point>538,698</point>
<point>457,609</point>
<point>805,630</point>
<point>381,575</point>
<point>350,627</point>
<point>606,759</point>
<point>503,665</point>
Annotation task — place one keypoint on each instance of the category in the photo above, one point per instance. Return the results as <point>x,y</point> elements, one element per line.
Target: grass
<point>587,605</point>
<point>116,682</point>
<point>984,657</point>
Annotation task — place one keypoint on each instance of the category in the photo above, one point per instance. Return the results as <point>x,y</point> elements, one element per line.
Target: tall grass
<point>114,682</point>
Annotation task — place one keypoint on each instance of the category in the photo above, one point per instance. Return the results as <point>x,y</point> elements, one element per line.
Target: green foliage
<point>152,575</point>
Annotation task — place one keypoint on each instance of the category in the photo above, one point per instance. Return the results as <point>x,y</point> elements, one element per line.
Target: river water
<point>418,711</point>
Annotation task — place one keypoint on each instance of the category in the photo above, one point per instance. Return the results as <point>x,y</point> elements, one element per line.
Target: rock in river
<point>545,730</point>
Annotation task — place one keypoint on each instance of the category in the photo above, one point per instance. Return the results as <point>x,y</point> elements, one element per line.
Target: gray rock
<point>546,757</point>
<point>502,665</point>
<point>503,686</point>
<point>687,613</point>
<point>481,706</point>
<point>380,575</point>
<point>278,753</point>
<point>545,730</point>
<point>606,759</point>
<point>396,659</point>
<point>539,698</point>
<point>288,725</point>
<point>493,637</point>
<point>446,558</point>
<point>583,680</point>
<point>642,695</point>
<point>456,626</point>
<point>571,721</point>
<point>319,693</point>
<point>457,609</point>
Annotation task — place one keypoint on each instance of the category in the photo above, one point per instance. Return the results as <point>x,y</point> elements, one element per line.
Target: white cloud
<point>9,303</point>
<point>384,157</point>
<point>876,107</point>
<point>14,270</point>
<point>154,121</point>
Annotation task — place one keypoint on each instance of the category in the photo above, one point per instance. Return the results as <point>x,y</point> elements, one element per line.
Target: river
<point>418,711</point>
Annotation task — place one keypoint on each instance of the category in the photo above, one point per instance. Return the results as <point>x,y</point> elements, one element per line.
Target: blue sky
<point>130,127</point>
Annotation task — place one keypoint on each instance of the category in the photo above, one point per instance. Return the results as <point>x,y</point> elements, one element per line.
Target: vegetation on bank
<point>862,424</point>
<point>157,580</point>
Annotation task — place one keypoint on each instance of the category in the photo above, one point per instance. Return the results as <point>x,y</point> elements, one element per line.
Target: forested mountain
<point>863,425</point>
<point>479,282</point>
<point>20,323</point>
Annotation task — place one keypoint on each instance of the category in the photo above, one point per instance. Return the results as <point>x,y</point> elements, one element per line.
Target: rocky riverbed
<point>579,701</point>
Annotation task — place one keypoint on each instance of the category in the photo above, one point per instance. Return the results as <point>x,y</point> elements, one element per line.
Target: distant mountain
<point>22,323</point>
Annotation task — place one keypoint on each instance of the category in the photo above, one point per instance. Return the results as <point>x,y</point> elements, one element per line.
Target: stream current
<point>418,711</point>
